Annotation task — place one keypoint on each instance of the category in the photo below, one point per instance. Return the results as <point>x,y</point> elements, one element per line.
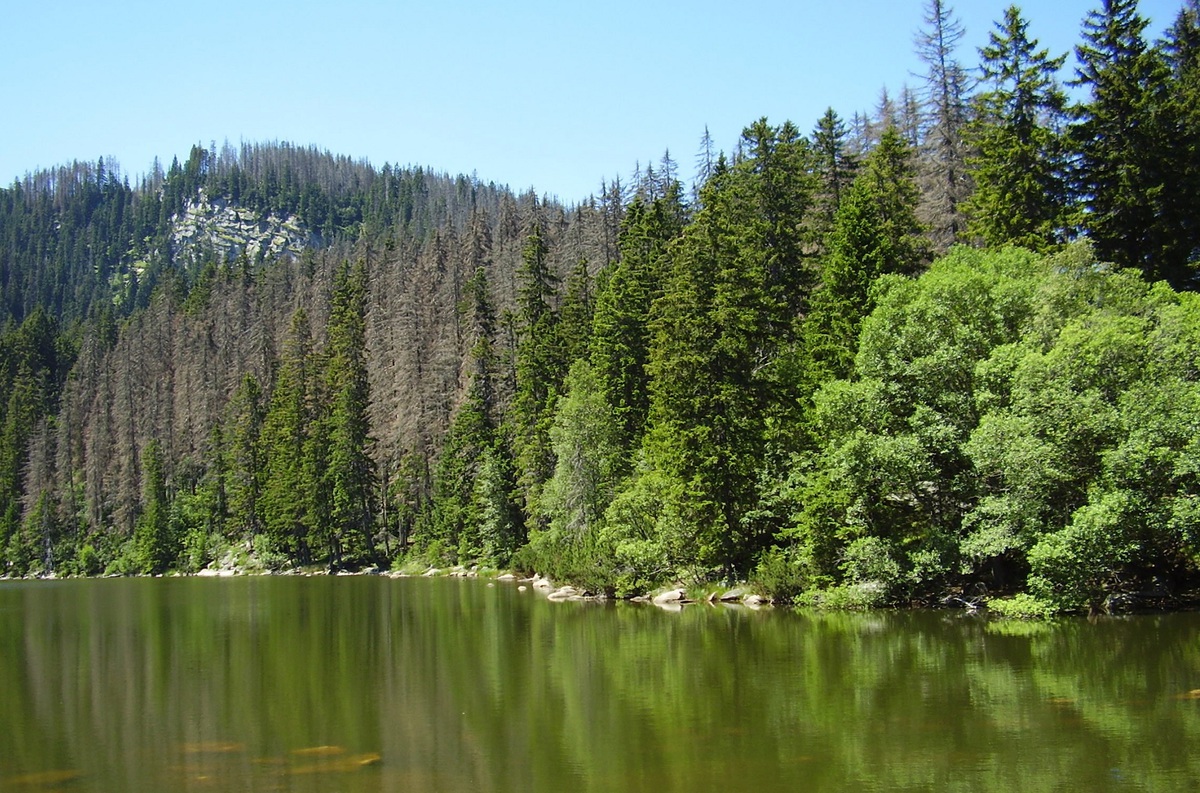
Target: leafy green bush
<point>779,575</point>
<point>88,562</point>
<point>1022,606</point>
<point>268,555</point>
<point>847,597</point>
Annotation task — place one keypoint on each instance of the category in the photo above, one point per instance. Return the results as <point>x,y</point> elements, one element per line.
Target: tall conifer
<point>1124,143</point>
<point>1018,162</point>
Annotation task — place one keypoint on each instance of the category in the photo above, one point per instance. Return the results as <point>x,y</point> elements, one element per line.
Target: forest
<point>947,345</point>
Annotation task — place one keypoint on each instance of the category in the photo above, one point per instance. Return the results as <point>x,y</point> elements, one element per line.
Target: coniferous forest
<point>951,340</point>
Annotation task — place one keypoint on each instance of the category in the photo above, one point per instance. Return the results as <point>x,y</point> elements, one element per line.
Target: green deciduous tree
<point>1011,415</point>
<point>588,459</point>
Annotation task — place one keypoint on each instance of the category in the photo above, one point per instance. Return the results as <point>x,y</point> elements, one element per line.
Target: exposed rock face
<point>211,225</point>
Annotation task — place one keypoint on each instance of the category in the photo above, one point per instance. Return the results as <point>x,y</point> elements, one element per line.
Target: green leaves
<point>1012,408</point>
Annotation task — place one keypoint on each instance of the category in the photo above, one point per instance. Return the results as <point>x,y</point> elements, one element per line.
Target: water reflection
<point>372,684</point>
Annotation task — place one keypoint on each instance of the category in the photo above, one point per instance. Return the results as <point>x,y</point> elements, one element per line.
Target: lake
<point>377,684</point>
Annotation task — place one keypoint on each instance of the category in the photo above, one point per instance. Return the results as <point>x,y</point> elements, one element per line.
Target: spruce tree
<point>153,544</point>
<point>1125,148</point>
<point>1018,164</point>
<point>473,517</point>
<point>351,471</point>
<point>575,316</point>
<point>835,164</point>
<point>620,327</point>
<point>944,177</point>
<point>875,232</point>
<point>285,432</point>
<point>1181,47</point>
<point>244,457</point>
<point>723,399</point>
<point>539,368</point>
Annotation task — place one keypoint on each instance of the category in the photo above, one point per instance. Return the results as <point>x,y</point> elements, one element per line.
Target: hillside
<point>879,363</point>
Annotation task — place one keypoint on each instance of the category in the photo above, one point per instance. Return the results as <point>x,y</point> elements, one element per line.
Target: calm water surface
<point>371,684</point>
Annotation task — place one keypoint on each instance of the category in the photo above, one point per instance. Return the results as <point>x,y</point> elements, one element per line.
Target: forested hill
<point>948,342</point>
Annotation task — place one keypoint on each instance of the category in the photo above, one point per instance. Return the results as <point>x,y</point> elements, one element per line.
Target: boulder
<point>670,596</point>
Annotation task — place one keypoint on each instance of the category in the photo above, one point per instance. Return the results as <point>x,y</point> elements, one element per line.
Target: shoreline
<point>667,599</point>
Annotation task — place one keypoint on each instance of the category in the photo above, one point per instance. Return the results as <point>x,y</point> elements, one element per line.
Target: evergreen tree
<point>575,316</point>
<point>454,530</point>
<point>835,165</point>
<point>284,440</point>
<point>620,329</point>
<point>1124,140</point>
<point>944,174</point>
<point>1018,164</point>
<point>473,517</point>
<point>1181,48</point>
<point>875,232</point>
<point>244,458</point>
<point>34,360</point>
<point>724,399</point>
<point>350,472</point>
<point>539,368</point>
<point>153,544</point>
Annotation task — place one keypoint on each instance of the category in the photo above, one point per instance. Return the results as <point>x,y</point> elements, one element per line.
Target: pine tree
<point>835,166</point>
<point>944,176</point>
<point>539,368</point>
<point>153,545</point>
<point>284,438</point>
<point>1018,164</point>
<point>350,472</point>
<point>621,332</point>
<point>875,232</point>
<point>1125,145</point>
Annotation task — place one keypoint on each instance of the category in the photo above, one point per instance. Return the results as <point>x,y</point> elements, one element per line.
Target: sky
<point>554,96</point>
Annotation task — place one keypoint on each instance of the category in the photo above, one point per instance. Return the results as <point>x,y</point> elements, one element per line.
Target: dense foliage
<point>953,343</point>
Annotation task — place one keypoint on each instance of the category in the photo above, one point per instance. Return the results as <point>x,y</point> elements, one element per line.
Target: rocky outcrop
<point>211,226</point>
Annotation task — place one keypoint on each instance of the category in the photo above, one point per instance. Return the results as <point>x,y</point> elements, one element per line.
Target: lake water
<point>374,684</point>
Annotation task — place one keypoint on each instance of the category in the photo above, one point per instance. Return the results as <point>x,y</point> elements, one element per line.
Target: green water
<point>364,683</point>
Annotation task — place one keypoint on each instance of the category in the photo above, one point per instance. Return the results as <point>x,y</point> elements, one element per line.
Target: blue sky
<point>551,95</point>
